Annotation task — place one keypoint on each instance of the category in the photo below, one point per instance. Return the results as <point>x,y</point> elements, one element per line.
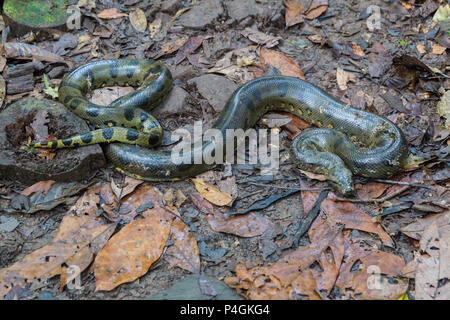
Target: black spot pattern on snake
<point>144,116</point>
<point>43,143</point>
<point>67,141</point>
<point>54,144</point>
<point>129,114</point>
<point>107,133</point>
<point>76,103</point>
<point>132,135</point>
<point>110,123</point>
<point>93,111</point>
<point>76,144</point>
<point>86,138</point>
<point>153,139</point>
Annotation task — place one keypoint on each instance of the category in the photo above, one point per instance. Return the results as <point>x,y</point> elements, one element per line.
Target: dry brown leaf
<point>316,9</point>
<point>19,50</point>
<point>41,185</point>
<point>188,48</point>
<point>371,281</point>
<point>129,254</point>
<point>261,38</point>
<point>145,200</point>
<point>284,64</point>
<point>294,12</point>
<point>155,27</point>
<point>438,49</point>
<point>354,218</point>
<point>112,13</point>
<point>298,10</point>
<point>184,250</point>
<point>276,281</point>
<point>357,50</point>
<point>342,78</point>
<point>346,213</point>
<point>211,193</point>
<point>138,20</point>
<point>427,273</point>
<point>80,236</point>
<point>370,190</point>
<point>126,187</point>
<point>416,229</point>
<point>171,46</point>
<point>247,225</point>
<point>230,67</point>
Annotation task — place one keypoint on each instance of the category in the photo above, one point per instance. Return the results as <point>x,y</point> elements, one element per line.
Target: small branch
<point>378,200</point>
<point>286,188</point>
<point>402,183</point>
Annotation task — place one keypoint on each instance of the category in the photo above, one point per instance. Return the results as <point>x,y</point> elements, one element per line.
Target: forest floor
<point>390,240</point>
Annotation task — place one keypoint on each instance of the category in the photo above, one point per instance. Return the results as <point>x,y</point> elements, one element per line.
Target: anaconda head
<point>342,181</point>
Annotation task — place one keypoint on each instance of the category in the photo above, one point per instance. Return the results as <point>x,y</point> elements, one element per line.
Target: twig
<point>403,183</point>
<point>305,222</point>
<point>286,188</point>
<point>385,198</point>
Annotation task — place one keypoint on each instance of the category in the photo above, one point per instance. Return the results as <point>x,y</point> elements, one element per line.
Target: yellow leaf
<point>438,49</point>
<point>211,193</point>
<point>138,20</point>
<point>112,13</point>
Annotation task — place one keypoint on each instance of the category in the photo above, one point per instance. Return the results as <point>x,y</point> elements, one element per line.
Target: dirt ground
<point>377,78</point>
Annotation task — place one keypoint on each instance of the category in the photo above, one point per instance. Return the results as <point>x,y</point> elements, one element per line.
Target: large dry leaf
<point>330,260</point>
<point>43,186</point>
<point>294,12</point>
<point>427,273</point>
<point>80,236</point>
<point>234,64</point>
<point>284,64</point>
<point>188,48</point>
<point>211,193</point>
<point>371,279</point>
<point>352,217</point>
<point>298,10</point>
<point>126,187</point>
<point>171,46</point>
<point>346,213</point>
<point>184,250</point>
<point>370,190</point>
<point>129,254</point>
<point>287,277</point>
<point>261,38</point>
<point>416,229</point>
<point>247,225</point>
<point>19,50</point>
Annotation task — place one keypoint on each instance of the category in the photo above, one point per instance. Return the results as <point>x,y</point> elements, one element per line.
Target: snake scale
<point>349,141</point>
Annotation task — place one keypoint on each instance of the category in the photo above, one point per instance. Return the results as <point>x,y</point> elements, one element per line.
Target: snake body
<point>349,141</point>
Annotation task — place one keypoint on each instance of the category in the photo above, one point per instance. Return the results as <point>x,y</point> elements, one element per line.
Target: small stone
<point>202,15</point>
<point>216,89</point>
<point>239,10</point>
<point>175,103</point>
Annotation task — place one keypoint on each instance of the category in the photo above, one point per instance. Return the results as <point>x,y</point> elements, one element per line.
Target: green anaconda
<point>349,141</point>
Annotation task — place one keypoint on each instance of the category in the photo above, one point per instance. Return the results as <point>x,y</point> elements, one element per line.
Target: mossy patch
<point>38,13</point>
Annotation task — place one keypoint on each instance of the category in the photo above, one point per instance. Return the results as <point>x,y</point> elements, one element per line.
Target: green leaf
<point>52,92</point>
